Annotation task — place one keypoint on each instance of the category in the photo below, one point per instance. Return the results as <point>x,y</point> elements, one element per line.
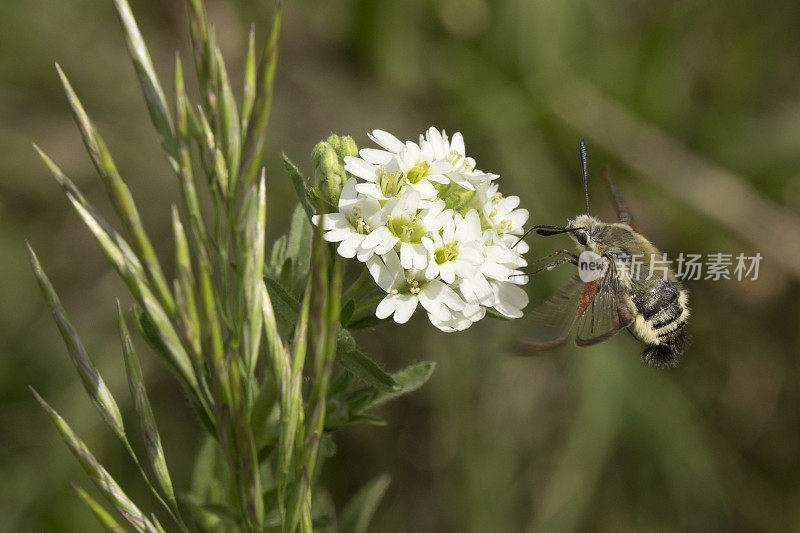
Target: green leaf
<point>99,475</point>
<point>359,510</point>
<point>347,311</point>
<point>120,196</point>
<point>285,305</point>
<point>92,381</point>
<point>255,234</point>
<point>151,88</point>
<point>250,79</point>
<point>354,361</point>
<point>229,122</point>
<point>298,249</point>
<point>408,379</point>
<point>277,257</point>
<point>256,133</point>
<point>185,297</point>
<point>75,195</point>
<point>299,187</point>
<point>147,421</point>
<point>99,512</point>
<point>286,309</point>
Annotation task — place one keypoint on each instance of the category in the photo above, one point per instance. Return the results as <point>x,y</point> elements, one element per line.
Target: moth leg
<point>557,252</point>
<point>623,215</point>
<point>550,266</point>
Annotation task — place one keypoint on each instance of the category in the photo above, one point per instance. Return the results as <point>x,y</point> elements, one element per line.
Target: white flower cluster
<point>432,230</point>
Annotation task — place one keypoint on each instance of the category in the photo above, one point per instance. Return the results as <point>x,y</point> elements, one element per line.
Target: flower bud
<point>327,158</point>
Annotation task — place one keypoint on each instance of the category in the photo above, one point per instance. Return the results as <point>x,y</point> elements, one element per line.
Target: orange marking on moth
<point>634,227</point>
<point>587,297</point>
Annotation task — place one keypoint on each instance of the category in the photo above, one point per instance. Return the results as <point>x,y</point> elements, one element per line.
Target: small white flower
<point>456,262</point>
<point>407,289</point>
<point>406,225</point>
<point>456,252</point>
<point>358,217</point>
<point>509,299</point>
<point>461,320</point>
<point>501,212</point>
<point>388,174</point>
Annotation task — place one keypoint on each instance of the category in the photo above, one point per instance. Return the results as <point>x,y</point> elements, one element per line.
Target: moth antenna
<point>584,168</point>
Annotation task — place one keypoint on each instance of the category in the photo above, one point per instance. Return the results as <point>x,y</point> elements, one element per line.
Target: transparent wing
<point>604,313</point>
<point>552,321</point>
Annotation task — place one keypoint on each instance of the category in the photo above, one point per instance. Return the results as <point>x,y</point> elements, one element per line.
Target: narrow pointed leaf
<point>147,422</point>
<point>250,80</point>
<point>360,509</point>
<point>163,327</point>
<point>101,478</point>
<point>230,125</point>
<point>299,187</point>
<point>256,133</point>
<point>186,301</point>
<point>354,361</point>
<point>120,197</point>
<point>92,381</point>
<point>74,194</point>
<point>298,248</point>
<point>151,88</point>
<point>408,379</point>
<point>103,517</point>
<point>253,273</point>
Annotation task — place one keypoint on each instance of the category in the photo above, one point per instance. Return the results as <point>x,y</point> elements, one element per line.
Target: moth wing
<point>605,313</point>
<point>552,321</point>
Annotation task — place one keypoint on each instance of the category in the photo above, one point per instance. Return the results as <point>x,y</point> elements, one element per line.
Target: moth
<point>622,283</point>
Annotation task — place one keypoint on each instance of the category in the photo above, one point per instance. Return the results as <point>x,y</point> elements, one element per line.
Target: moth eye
<point>582,237</point>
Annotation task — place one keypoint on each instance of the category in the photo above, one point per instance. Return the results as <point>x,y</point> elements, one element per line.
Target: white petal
<point>348,196</point>
<point>337,235</point>
<point>406,308</point>
<point>360,168</point>
<point>425,189</point>
<point>407,205</point>
<point>364,255</point>
<point>348,247</point>
<point>447,272</point>
<point>477,289</point>
<point>387,245</point>
<point>472,226</point>
<point>370,189</point>
<point>386,140</point>
<point>406,255</point>
<point>434,306</point>
<point>387,306</point>
<point>412,152</point>
<point>448,230</point>
<point>518,218</point>
<point>386,278</point>
<point>375,156</point>
<point>463,269</point>
<point>457,143</point>
<point>426,151</point>
<point>496,271</point>
<point>438,143</point>
<point>433,269</point>
<point>436,290</point>
<point>420,257</point>
<point>376,237</point>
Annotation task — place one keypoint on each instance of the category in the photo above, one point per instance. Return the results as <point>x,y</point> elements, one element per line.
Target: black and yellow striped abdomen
<point>661,313</point>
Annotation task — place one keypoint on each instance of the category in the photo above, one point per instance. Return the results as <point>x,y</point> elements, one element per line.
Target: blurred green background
<point>675,96</point>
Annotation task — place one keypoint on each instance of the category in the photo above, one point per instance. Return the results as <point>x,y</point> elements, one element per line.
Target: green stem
<point>353,292</point>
